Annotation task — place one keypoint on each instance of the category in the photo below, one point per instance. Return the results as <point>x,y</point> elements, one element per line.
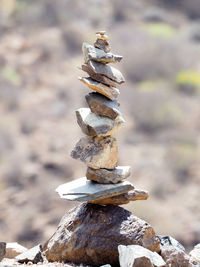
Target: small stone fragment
<point>107,70</point>
<point>170,241</point>
<point>195,255</point>
<point>108,91</point>
<point>102,106</point>
<point>92,53</point>
<point>103,45</point>
<point>104,176</point>
<point>33,255</point>
<point>138,256</point>
<point>174,256</point>
<point>102,36</point>
<point>124,198</point>
<point>98,77</point>
<point>90,234</point>
<point>101,32</point>
<point>2,250</point>
<point>97,152</point>
<point>14,249</point>
<point>95,125</point>
<point>83,190</point>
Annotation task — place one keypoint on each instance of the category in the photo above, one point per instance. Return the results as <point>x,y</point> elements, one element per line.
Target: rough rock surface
<point>13,249</point>
<point>97,152</point>
<point>33,255</point>
<point>93,125</point>
<point>91,234</point>
<point>124,198</point>
<point>138,256</point>
<point>111,92</point>
<point>92,53</point>
<point>98,77</point>
<point>83,190</point>
<point>195,255</point>
<point>174,256</point>
<point>107,70</point>
<point>104,176</point>
<point>103,45</point>
<point>2,250</point>
<point>102,106</point>
<point>170,241</point>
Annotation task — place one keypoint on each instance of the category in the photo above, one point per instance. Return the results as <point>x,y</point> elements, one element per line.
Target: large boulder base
<point>90,234</point>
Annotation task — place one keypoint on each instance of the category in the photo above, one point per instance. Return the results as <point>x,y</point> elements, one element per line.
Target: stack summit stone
<point>103,187</point>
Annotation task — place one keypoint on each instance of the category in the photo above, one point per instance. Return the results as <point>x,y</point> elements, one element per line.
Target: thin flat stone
<point>83,190</point>
<point>97,152</point>
<point>108,91</point>
<point>104,176</point>
<point>103,106</point>
<point>107,70</point>
<point>125,198</point>
<point>92,53</point>
<point>93,125</point>
<point>98,77</point>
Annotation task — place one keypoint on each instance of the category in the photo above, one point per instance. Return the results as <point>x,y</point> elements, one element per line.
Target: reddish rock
<point>174,256</point>
<point>90,234</point>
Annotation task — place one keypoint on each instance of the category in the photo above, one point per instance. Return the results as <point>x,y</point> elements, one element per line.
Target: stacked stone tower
<point>104,182</point>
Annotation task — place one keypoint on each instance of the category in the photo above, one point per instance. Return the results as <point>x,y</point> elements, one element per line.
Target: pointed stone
<point>102,106</point>
<point>83,190</point>
<point>93,125</point>
<point>103,45</point>
<point>104,176</point>
<point>92,53</point>
<point>122,199</point>
<point>98,77</point>
<point>33,255</point>
<point>108,91</point>
<point>107,70</point>
<point>97,152</point>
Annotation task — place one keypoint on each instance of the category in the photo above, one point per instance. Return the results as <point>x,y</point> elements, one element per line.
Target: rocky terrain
<point>40,55</point>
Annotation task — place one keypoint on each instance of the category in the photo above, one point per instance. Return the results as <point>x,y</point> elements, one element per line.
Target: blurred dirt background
<point>40,52</point>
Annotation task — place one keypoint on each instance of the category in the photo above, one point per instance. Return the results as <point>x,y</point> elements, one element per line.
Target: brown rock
<point>111,92</point>
<point>102,106</point>
<point>103,45</point>
<point>97,152</point>
<point>107,70</point>
<point>98,77</point>
<point>104,176</point>
<point>90,234</point>
<point>122,199</point>
<point>2,250</point>
<point>174,256</point>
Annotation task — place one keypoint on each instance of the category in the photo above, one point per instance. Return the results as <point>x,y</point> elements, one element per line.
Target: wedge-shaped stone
<point>98,77</point>
<point>92,53</point>
<point>107,70</point>
<point>97,152</point>
<point>122,199</point>
<point>102,106</point>
<point>104,176</point>
<point>93,125</point>
<point>83,190</point>
<point>109,91</point>
<point>103,45</point>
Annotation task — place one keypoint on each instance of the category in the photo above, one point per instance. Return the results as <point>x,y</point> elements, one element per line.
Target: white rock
<point>195,255</point>
<point>14,249</point>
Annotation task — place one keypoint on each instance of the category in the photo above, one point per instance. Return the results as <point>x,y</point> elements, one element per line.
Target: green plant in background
<point>11,75</point>
<point>160,30</point>
<point>149,85</point>
<point>188,81</point>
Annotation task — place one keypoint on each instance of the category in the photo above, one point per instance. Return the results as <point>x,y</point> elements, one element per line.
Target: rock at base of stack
<point>90,234</point>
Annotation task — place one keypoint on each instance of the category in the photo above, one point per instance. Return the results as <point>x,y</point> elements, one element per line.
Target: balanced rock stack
<point>91,233</point>
<point>104,182</point>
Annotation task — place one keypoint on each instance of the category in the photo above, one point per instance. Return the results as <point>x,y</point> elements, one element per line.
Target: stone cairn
<point>92,232</point>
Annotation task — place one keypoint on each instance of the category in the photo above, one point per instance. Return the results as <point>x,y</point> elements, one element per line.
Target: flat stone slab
<point>125,198</point>
<point>104,176</point>
<point>107,70</point>
<point>97,152</point>
<point>98,77</point>
<point>103,106</point>
<point>110,92</point>
<point>92,53</point>
<point>95,125</point>
<point>84,190</point>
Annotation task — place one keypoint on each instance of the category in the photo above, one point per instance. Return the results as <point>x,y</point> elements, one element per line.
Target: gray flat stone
<point>84,190</point>
<point>92,53</point>
<point>95,125</point>
<point>104,176</point>
<point>111,92</point>
<point>107,70</point>
<point>102,106</point>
